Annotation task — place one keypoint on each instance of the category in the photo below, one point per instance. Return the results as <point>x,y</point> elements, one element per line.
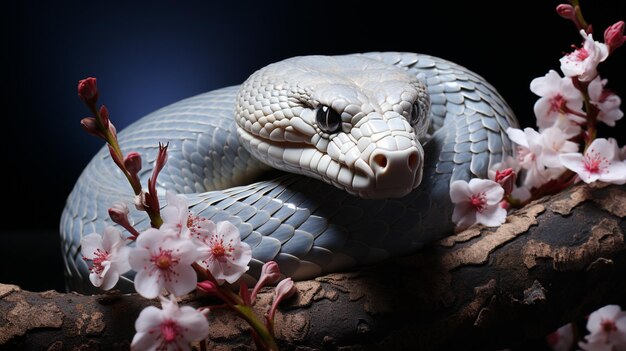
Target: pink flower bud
<point>614,35</point>
<point>566,11</point>
<point>506,179</point>
<point>119,213</point>
<point>104,116</point>
<point>284,290</point>
<point>208,287</point>
<point>90,125</point>
<point>132,162</point>
<point>88,90</point>
<point>270,272</point>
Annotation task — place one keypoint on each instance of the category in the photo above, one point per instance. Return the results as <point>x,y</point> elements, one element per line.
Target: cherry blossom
<point>559,100</point>
<point>607,102</point>
<point>176,214</point>
<point>170,328</point>
<point>109,256</point>
<point>163,261</point>
<point>599,162</point>
<point>583,62</point>
<point>538,153</point>
<point>177,217</point>
<point>222,251</point>
<point>562,339</point>
<point>607,329</point>
<point>477,202</point>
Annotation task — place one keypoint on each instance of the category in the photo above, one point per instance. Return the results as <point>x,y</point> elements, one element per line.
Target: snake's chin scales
<point>366,146</point>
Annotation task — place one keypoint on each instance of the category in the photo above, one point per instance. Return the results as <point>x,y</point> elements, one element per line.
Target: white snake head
<point>350,121</point>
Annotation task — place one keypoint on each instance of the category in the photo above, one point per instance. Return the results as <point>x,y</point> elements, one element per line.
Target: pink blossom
<point>109,256</point>
<point>583,62</point>
<point>176,214</point>
<point>607,102</point>
<point>562,339</point>
<point>598,163</point>
<point>607,329</point>
<point>538,153</point>
<point>170,328</point>
<point>163,260</point>
<point>222,251</point>
<point>559,99</point>
<point>477,202</point>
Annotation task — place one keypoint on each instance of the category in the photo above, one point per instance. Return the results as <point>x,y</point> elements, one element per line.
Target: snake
<point>323,163</point>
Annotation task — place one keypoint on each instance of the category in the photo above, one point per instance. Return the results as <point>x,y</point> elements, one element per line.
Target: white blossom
<point>162,260</point>
<point>583,62</point>
<point>176,214</point>
<point>477,202</point>
<point>599,162</point>
<point>538,153</point>
<point>607,330</point>
<point>170,328</point>
<point>607,102</point>
<point>109,256</point>
<point>560,101</point>
<point>222,251</point>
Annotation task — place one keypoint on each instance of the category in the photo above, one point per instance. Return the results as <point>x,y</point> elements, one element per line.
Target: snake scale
<point>366,145</point>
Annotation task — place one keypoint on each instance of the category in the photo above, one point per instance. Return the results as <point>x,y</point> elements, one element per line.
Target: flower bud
<point>566,11</point>
<point>614,36</point>
<point>284,290</point>
<point>506,179</point>
<point>88,90</point>
<point>208,287</point>
<point>270,273</point>
<point>104,116</point>
<point>132,162</point>
<point>90,125</point>
<point>119,213</point>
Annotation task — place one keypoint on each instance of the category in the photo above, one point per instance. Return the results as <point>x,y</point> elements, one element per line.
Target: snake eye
<point>328,119</point>
<point>416,114</point>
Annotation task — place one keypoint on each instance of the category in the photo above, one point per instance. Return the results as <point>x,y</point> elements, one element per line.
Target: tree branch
<point>554,261</point>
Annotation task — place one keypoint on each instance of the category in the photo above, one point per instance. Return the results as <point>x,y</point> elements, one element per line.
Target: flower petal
<point>194,323</point>
<point>139,258</point>
<point>185,281</point>
<point>491,216</point>
<point>89,244</point>
<point>460,191</point>
<point>148,284</point>
<point>109,279</point>
<point>110,237</point>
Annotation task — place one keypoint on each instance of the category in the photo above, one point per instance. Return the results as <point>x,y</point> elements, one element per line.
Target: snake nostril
<point>412,161</point>
<point>380,160</point>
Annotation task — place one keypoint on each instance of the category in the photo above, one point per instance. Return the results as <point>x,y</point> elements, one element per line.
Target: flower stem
<point>267,341</point>
<point>579,15</point>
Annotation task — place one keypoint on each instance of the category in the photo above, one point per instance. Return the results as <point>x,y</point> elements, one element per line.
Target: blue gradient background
<point>147,54</point>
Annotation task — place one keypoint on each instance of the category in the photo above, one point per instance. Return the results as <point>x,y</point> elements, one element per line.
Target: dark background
<point>147,54</point>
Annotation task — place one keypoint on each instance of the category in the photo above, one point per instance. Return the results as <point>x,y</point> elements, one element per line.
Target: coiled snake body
<point>351,128</point>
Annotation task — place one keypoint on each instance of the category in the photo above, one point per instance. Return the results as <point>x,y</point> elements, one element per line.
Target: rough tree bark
<point>554,261</point>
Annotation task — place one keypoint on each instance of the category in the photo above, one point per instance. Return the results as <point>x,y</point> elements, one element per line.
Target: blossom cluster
<point>564,149</point>
<point>606,327</point>
<point>180,253</point>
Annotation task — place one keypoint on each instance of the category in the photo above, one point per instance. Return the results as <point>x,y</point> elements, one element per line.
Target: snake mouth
<point>387,174</point>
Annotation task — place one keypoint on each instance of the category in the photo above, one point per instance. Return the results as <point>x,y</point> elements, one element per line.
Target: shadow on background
<point>147,54</point>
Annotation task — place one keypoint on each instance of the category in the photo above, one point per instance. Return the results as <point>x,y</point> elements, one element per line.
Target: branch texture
<point>553,261</point>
